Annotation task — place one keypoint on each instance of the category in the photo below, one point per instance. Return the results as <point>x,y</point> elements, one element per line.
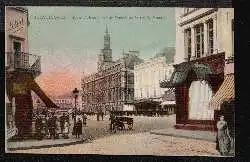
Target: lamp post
<point>75,93</point>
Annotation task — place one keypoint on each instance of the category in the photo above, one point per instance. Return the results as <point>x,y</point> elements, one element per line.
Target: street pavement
<point>135,144</point>
<point>138,141</point>
<point>94,130</point>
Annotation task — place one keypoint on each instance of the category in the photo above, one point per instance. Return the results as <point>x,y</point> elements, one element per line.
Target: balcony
<point>23,62</point>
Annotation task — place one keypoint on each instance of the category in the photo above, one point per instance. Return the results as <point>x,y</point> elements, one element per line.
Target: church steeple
<point>105,58</point>
<point>106,39</point>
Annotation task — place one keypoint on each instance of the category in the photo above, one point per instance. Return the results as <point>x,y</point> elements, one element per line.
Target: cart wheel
<point>130,126</point>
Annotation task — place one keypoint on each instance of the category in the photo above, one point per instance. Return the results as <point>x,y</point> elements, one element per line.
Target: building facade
<point>148,75</point>
<point>205,40</point>
<point>21,69</point>
<point>111,88</point>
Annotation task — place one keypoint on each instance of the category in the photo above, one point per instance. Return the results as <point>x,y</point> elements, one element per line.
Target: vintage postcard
<point>119,81</point>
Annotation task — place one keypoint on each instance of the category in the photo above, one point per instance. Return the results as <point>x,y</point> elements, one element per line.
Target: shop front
<point>195,83</point>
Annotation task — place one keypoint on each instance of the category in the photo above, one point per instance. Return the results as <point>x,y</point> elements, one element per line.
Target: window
<point>210,36</point>
<point>199,40</point>
<point>187,39</point>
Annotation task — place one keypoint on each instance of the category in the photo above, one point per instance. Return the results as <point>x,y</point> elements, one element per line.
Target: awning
<point>180,74</point>
<point>168,103</point>
<point>150,101</point>
<point>225,93</point>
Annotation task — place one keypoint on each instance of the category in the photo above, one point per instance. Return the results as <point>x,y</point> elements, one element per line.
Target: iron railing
<point>23,61</point>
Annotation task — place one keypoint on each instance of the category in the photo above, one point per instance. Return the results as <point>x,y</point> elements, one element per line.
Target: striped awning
<point>168,103</point>
<point>225,93</point>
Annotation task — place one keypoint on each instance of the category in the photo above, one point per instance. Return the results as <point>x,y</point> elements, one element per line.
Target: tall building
<point>111,88</point>
<point>148,75</point>
<point>105,58</point>
<point>204,39</point>
<point>21,69</point>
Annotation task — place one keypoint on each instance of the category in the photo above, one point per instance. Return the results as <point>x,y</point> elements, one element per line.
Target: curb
<point>182,136</point>
<point>48,146</point>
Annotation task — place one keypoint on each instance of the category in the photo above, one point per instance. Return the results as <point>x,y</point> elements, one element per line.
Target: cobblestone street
<point>136,144</point>
<point>96,129</point>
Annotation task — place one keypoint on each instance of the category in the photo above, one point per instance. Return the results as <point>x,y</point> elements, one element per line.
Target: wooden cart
<point>120,122</point>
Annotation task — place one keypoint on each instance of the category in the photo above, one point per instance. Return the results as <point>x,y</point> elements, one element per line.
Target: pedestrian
<point>44,127</point>
<point>112,120</point>
<point>38,126</point>
<point>84,119</point>
<point>62,121</point>
<point>78,128</point>
<point>97,116</point>
<point>102,114</point>
<point>66,130</point>
<point>52,126</point>
<point>224,139</point>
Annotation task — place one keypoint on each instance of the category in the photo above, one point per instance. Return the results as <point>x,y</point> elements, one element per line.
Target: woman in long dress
<point>66,130</point>
<point>223,136</point>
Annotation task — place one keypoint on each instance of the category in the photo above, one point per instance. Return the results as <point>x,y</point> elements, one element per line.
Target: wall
<point>222,30</point>
<point>148,76</point>
<point>225,16</point>
<point>16,26</point>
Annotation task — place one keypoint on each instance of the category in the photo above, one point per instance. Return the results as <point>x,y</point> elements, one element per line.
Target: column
<point>215,41</point>
<point>192,43</point>
<point>205,39</point>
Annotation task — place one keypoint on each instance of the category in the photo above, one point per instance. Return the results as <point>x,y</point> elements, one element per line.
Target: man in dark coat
<point>84,119</point>
<point>112,120</point>
<point>62,121</point>
<point>78,128</point>
<point>52,125</point>
<point>102,114</point>
<point>38,126</point>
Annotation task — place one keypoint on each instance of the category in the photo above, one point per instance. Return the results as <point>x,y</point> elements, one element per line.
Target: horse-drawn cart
<point>119,122</point>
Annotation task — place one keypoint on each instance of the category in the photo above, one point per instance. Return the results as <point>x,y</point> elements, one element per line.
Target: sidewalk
<point>200,135</point>
<point>45,143</point>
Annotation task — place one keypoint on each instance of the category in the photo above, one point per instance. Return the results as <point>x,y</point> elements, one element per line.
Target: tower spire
<point>106,30</point>
<point>106,39</point>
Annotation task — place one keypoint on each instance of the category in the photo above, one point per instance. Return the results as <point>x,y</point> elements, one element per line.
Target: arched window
<point>200,93</point>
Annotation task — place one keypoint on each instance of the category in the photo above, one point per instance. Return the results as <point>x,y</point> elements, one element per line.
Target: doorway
<point>17,54</point>
<point>200,93</point>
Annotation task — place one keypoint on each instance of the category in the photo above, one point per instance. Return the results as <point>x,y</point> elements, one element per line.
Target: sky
<point>69,45</point>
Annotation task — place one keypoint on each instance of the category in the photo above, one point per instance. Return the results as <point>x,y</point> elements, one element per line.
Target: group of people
<point>77,129</point>
<point>50,125</point>
<point>98,116</point>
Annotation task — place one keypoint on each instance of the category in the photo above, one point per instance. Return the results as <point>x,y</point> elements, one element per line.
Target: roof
<point>180,74</point>
<point>225,93</point>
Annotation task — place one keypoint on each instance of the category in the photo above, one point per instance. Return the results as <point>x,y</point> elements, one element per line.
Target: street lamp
<point>75,93</point>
